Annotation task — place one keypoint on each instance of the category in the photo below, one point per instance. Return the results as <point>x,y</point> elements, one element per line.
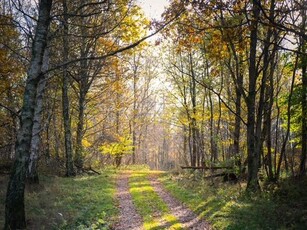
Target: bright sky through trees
<point>153,8</point>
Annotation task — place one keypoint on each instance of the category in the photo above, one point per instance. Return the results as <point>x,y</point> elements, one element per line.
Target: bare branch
<point>112,53</point>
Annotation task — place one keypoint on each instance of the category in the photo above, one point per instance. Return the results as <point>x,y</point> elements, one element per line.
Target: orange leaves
<point>189,39</point>
<point>106,45</point>
<point>217,47</point>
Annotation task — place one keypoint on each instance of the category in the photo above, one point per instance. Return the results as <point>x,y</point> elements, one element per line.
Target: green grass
<point>89,203</point>
<point>86,202</point>
<point>148,203</point>
<point>227,207</point>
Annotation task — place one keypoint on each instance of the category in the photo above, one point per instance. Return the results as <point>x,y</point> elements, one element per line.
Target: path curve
<point>129,219</point>
<point>186,217</point>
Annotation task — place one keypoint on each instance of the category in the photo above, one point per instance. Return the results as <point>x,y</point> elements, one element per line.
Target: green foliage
<point>295,113</point>
<point>133,28</point>
<point>123,145</point>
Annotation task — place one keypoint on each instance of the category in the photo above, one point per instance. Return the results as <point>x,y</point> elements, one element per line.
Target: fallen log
<point>226,176</point>
<point>87,170</point>
<point>191,167</point>
<point>205,168</point>
<point>215,175</point>
<point>90,169</point>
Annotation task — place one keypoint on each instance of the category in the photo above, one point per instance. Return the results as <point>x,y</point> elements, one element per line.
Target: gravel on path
<point>186,217</point>
<point>129,219</point>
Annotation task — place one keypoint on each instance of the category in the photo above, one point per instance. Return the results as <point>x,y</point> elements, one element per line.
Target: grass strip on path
<point>129,218</point>
<point>155,213</point>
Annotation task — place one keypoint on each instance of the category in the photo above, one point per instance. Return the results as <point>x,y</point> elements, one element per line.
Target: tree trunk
<point>268,130</point>
<point>134,115</point>
<point>14,127</point>
<point>214,153</point>
<point>267,93</point>
<point>133,143</point>
<point>237,76</point>
<point>32,174</point>
<point>302,169</point>
<point>65,100</point>
<point>56,135</point>
<point>194,128</point>
<point>14,205</point>
<point>84,84</point>
<point>80,129</point>
<point>47,148</point>
<point>118,160</point>
<point>304,115</point>
<point>237,130</point>
<point>277,166</point>
<point>252,139</point>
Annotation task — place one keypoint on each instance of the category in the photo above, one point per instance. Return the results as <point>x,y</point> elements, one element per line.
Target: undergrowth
<point>85,202</point>
<point>226,206</point>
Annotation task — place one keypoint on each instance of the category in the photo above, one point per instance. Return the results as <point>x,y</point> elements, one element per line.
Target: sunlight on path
<point>155,213</point>
<point>129,219</point>
<point>188,219</point>
<point>142,192</point>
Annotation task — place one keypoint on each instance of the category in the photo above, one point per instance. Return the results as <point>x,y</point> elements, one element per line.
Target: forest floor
<point>167,212</point>
<point>135,198</point>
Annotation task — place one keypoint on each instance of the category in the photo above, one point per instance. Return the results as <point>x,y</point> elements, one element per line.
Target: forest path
<point>186,217</point>
<point>131,220</point>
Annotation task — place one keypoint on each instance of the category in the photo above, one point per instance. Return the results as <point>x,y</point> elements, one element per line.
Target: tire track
<point>187,217</point>
<point>129,219</point>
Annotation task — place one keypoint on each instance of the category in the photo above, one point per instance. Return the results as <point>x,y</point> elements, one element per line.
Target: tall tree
<point>253,137</point>
<point>70,171</point>
<point>32,173</point>
<point>303,44</point>
<point>14,204</point>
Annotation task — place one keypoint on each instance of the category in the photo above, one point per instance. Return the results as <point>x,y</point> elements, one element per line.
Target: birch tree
<point>14,204</point>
